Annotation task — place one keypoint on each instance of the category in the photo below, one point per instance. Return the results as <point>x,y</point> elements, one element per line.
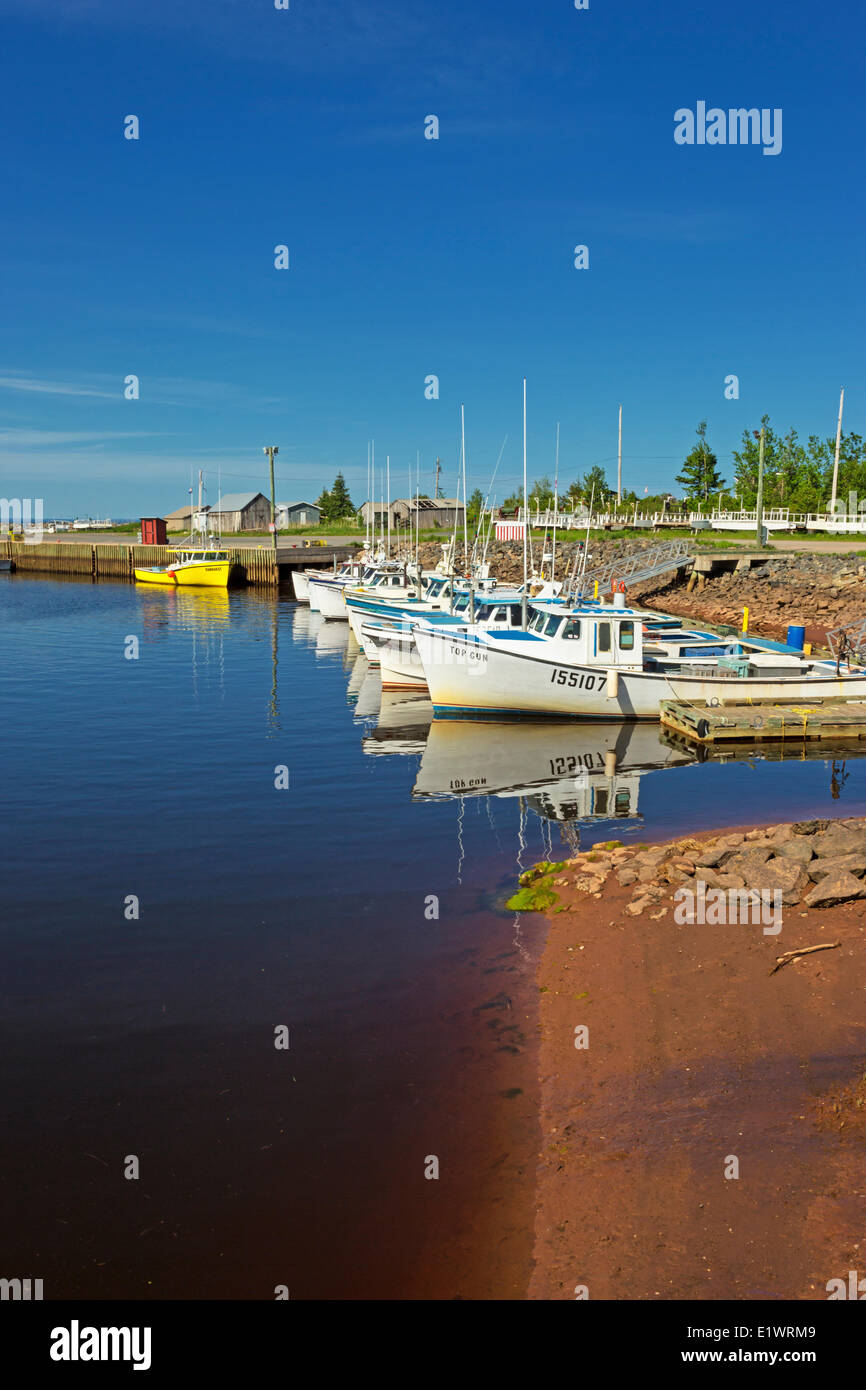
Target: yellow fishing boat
<point>201,565</point>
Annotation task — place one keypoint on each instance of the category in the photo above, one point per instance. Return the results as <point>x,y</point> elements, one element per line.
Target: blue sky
<point>411,256</point>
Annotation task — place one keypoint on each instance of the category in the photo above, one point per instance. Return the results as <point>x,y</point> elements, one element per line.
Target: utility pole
<point>619,463</point>
<point>523,600</point>
<point>759,507</point>
<point>438,471</point>
<point>836,459</point>
<point>271,450</point>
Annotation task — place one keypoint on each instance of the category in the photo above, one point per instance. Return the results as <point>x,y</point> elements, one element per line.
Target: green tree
<point>818,471</point>
<point>541,495</point>
<point>324,505</point>
<point>700,474</point>
<point>594,487</point>
<point>794,476</point>
<point>473,507</point>
<point>341,503</point>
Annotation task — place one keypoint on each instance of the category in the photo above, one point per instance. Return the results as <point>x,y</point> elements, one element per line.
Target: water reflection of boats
<point>583,772</point>
<point>330,637</point>
<point>303,624</point>
<point>403,724</point>
<point>369,693</point>
<point>359,671</point>
<point>203,611</point>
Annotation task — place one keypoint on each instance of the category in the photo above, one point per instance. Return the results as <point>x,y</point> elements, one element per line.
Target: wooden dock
<point>830,720</point>
<point>255,565</point>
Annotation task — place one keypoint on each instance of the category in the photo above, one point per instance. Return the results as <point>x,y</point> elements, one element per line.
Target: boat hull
<point>209,575</point>
<point>470,678</point>
<point>399,663</point>
<point>155,576</point>
<point>301,586</point>
<point>327,598</point>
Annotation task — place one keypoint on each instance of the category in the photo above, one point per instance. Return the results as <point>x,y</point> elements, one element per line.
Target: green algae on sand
<point>536,892</point>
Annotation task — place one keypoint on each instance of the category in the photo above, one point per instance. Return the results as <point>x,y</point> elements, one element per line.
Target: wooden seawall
<point>98,561</point>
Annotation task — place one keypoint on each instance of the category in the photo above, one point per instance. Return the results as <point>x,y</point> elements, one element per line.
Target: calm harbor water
<point>360,908</point>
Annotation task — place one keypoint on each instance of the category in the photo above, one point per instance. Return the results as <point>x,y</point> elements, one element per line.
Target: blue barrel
<point>796,638</point>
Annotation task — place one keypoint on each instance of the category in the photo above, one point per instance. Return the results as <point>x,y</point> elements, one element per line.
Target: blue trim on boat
<point>481,715</point>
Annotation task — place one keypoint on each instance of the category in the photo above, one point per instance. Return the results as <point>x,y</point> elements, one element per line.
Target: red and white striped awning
<point>510,530</point>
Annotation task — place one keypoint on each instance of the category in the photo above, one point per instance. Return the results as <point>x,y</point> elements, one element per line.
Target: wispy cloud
<point>168,391</point>
<point>55,388</point>
<point>449,43</point>
<point>27,438</point>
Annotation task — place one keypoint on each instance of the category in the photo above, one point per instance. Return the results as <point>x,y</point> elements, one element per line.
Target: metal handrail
<point>631,567</point>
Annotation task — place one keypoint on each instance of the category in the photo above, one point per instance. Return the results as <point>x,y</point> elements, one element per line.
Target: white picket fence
<point>776,519</point>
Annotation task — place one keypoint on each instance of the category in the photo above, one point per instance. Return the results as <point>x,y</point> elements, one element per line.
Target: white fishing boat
<point>327,594</point>
<point>301,585</point>
<point>390,604</point>
<point>350,571</point>
<point>319,582</point>
<point>579,664</point>
<point>392,648</point>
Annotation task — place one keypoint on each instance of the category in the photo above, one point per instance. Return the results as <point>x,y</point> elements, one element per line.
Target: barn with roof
<point>241,511</point>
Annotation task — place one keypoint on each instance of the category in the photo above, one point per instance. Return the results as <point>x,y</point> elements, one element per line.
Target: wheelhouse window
<point>572,628</point>
<point>517,615</point>
<point>604,637</point>
<point>461,603</point>
<point>626,637</point>
<point>552,625</point>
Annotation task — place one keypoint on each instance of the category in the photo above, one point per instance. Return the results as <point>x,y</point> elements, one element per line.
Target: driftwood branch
<point>803,951</point>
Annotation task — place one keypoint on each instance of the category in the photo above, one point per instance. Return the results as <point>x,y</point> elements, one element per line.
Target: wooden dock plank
<point>809,720</point>
<point>118,561</point>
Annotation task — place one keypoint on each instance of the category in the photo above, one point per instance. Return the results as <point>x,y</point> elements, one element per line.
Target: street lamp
<point>759,504</point>
<point>271,450</point>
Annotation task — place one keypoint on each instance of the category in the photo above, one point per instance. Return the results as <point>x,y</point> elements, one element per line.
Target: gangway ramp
<point>633,566</point>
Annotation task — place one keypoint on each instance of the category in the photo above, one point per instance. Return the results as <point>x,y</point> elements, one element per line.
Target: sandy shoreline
<point>697,1055</point>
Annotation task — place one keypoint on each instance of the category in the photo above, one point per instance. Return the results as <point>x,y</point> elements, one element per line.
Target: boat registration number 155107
<point>576,680</point>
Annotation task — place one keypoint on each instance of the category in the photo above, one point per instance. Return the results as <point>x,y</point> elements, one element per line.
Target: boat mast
<point>523,603</point>
<point>452,559</point>
<point>369,507</point>
<point>588,524</point>
<point>555,504</point>
<point>418,519</point>
<point>835,457</point>
<point>463,458</point>
<point>388,495</point>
